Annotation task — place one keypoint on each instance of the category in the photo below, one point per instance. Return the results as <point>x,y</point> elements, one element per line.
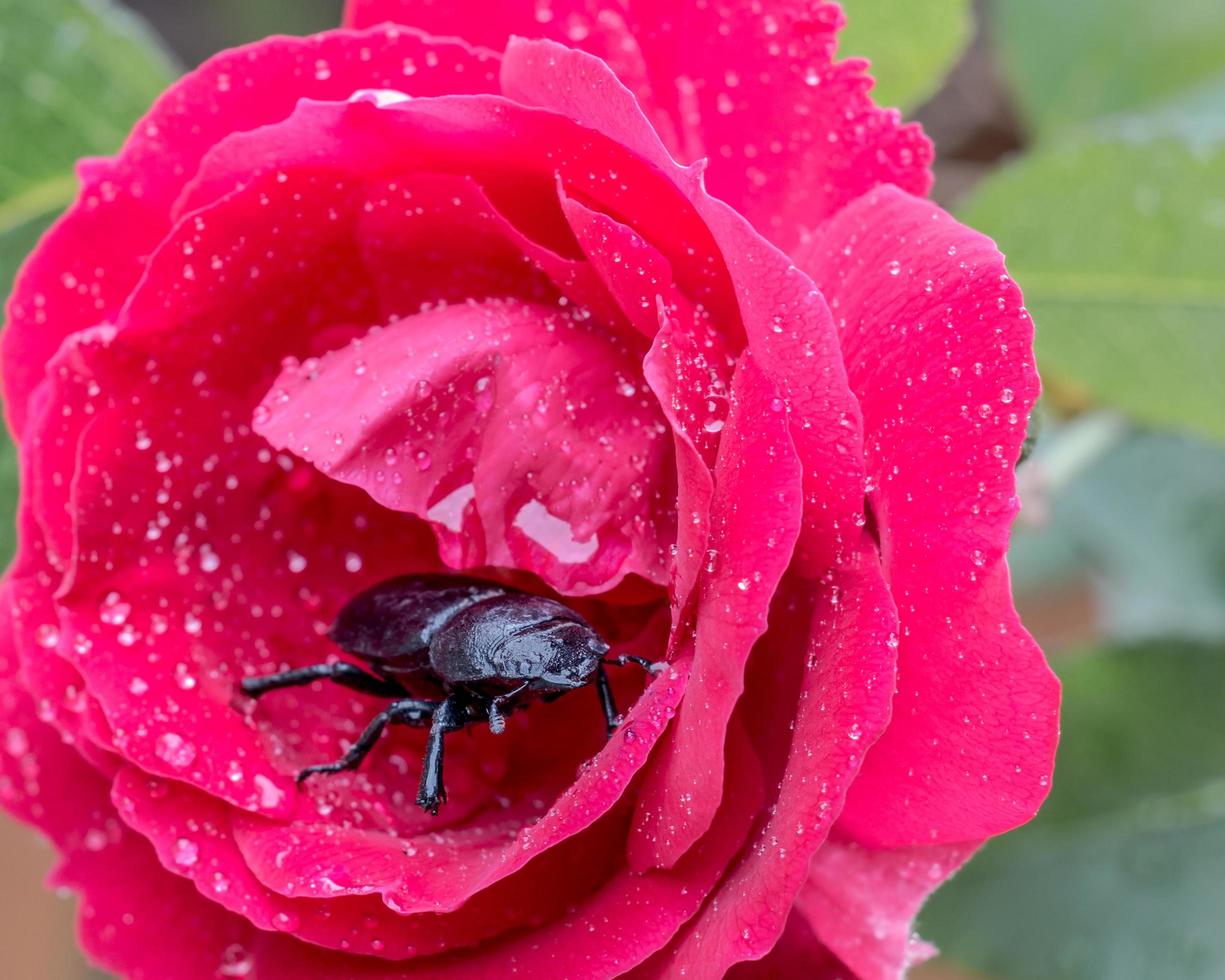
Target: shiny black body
<point>484,649</point>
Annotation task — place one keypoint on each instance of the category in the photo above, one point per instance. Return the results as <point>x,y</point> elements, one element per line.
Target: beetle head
<point>567,654</point>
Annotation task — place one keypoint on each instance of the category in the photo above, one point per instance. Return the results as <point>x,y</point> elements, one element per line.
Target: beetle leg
<point>611,717</point>
<point>650,666</point>
<point>497,722</point>
<point>449,716</point>
<point>408,711</point>
<point>344,674</point>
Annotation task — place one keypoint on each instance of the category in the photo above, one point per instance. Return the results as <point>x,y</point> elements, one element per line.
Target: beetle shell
<point>498,643</point>
<point>392,624</point>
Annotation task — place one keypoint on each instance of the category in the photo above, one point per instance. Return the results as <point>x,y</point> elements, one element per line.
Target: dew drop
<point>174,750</point>
<point>185,852</point>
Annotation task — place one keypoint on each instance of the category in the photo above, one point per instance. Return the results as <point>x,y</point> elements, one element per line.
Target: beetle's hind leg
<point>407,711</point>
<point>344,674</point>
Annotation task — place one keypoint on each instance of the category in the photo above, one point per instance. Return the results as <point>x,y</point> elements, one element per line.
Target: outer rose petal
<point>38,773</point>
<point>146,925</point>
<point>938,347</point>
<point>87,264</point>
<point>790,135</point>
<point>862,902</point>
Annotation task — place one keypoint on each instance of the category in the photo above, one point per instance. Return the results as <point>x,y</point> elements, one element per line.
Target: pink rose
<point>381,301</point>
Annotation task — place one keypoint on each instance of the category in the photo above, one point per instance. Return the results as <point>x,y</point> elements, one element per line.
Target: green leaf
<point>1122,876</point>
<point>1069,62</point>
<point>74,76</point>
<point>1140,518</point>
<point>911,45</point>
<point>1119,246</point>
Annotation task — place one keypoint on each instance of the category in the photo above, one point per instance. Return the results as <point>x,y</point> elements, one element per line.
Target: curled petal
<point>518,432</point>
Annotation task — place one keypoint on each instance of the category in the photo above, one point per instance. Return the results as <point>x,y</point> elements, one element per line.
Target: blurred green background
<point>1088,138</point>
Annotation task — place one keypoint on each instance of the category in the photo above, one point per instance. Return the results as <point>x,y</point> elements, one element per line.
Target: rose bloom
<point>640,307</point>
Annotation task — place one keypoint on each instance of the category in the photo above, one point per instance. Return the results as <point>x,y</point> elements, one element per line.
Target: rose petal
<point>147,925</point>
<point>814,748</point>
<point>194,838</point>
<point>970,749</point>
<point>433,238</point>
<point>88,263</point>
<point>791,136</point>
<point>532,415</point>
<point>756,508</point>
<point>39,770</point>
<point>861,902</point>
<point>798,953</point>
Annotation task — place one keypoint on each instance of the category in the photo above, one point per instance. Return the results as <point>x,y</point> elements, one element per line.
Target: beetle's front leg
<point>449,716</point>
<point>612,717</point>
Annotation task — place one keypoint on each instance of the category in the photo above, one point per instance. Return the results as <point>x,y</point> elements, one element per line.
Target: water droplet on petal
<point>174,750</point>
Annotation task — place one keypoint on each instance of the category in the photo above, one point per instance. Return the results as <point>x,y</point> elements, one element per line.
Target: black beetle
<point>490,648</point>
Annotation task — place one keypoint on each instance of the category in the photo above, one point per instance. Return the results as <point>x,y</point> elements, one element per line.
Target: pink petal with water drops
<point>621,924</point>
<point>756,520</point>
<point>812,748</point>
<point>194,838</point>
<point>688,367</point>
<point>147,925</point>
<point>89,262</point>
<point>790,134</point>
<point>971,745</point>
<point>519,432</point>
<point>862,902</point>
<point>58,412</point>
<point>798,953</point>
<point>776,306</point>
<point>162,613</point>
<point>434,238</point>
<point>137,921</point>
<point>38,768</point>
